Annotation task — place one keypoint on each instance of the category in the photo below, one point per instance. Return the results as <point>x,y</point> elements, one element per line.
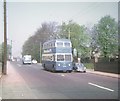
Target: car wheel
<point>69,71</point>
<point>44,66</point>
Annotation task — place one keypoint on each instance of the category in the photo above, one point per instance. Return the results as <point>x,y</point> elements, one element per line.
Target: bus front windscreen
<point>67,57</point>
<point>60,57</point>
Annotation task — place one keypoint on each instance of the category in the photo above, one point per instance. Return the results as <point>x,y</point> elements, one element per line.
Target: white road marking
<point>62,75</point>
<point>19,65</point>
<point>101,87</point>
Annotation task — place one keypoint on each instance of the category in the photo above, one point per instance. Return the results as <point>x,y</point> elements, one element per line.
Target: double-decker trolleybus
<point>57,55</point>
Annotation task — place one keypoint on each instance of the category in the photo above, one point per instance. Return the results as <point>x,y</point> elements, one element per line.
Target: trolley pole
<point>4,68</point>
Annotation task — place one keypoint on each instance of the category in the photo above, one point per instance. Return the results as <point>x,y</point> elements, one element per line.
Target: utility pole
<point>69,29</point>
<point>69,33</point>
<point>4,68</point>
<point>11,50</point>
<point>40,53</point>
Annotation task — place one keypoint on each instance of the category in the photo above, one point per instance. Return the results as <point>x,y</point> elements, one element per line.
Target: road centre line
<point>101,87</point>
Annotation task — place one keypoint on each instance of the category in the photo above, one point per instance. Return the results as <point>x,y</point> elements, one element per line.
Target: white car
<point>79,67</point>
<point>34,61</point>
<point>26,59</point>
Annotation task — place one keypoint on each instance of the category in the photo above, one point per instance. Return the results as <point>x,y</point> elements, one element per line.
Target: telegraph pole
<point>4,68</point>
<point>69,33</point>
<point>40,52</point>
<point>11,50</point>
<point>69,30</point>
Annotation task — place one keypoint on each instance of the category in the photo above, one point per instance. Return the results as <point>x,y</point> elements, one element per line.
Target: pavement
<point>103,73</point>
<point>14,87</point>
<point>0,76</point>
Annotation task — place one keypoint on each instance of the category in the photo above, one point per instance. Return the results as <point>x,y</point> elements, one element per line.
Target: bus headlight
<point>69,65</point>
<point>58,64</point>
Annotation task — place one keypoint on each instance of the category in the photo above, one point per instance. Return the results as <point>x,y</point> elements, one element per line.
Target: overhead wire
<point>85,11</point>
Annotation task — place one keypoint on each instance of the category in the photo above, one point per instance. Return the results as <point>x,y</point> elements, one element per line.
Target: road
<point>48,85</point>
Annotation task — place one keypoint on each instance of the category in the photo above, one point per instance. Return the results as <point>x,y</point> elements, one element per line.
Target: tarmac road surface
<point>47,85</point>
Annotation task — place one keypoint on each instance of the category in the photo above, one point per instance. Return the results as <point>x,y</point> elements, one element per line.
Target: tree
<point>107,36</point>
<point>94,40</point>
<point>2,51</point>
<point>78,36</point>
<point>47,31</point>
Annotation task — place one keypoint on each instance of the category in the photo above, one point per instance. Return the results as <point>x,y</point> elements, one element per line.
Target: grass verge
<point>89,65</point>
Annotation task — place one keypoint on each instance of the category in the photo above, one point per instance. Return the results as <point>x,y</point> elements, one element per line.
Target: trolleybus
<point>57,55</point>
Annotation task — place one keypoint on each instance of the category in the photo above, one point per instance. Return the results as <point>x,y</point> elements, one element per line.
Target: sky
<point>24,18</point>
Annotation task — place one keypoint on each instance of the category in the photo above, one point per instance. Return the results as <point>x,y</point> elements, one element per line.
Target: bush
<point>89,65</point>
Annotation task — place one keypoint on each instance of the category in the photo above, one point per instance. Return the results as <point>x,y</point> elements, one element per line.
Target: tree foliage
<point>103,35</point>
<point>2,51</point>
<point>108,36</point>
<point>46,32</point>
<point>78,35</point>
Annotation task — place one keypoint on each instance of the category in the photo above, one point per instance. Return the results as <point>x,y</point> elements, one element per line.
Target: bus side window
<point>53,44</point>
<point>53,58</point>
<point>50,45</point>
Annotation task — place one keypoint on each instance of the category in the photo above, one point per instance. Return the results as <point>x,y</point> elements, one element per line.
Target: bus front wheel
<point>53,69</point>
<point>70,71</point>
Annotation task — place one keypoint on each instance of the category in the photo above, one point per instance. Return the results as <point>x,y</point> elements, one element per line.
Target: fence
<point>107,65</point>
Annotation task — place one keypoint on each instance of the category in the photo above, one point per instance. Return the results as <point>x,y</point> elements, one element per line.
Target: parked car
<point>79,67</point>
<point>34,61</point>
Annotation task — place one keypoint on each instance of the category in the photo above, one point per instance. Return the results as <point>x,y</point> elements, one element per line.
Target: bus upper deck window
<point>67,44</point>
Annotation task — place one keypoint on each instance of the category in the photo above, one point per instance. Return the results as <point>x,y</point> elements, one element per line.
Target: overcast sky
<point>24,18</point>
